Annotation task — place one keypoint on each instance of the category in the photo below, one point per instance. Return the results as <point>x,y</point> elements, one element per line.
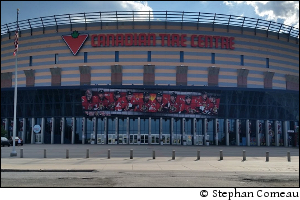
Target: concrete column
<point>204,130</point>
<point>183,130</point>
<point>73,130</point>
<point>117,129</point>
<point>94,134</point>
<point>32,133</point>
<point>247,132</point>
<point>194,130</point>
<point>43,130</point>
<point>172,130</point>
<point>160,129</point>
<point>237,132</point>
<point>226,132</point>
<point>149,131</point>
<point>285,134</point>
<point>52,122</point>
<point>6,124</point>
<point>139,129</point>
<point>216,134</point>
<point>276,133</point>
<point>62,124</point>
<point>267,133</point>
<point>127,129</point>
<point>105,130</point>
<point>257,133</point>
<point>183,126</point>
<point>83,130</point>
<point>24,131</point>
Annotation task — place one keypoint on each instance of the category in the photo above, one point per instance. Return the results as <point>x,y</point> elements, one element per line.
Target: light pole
<point>14,153</point>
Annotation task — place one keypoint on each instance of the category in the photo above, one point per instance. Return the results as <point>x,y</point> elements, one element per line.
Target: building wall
<point>256,46</point>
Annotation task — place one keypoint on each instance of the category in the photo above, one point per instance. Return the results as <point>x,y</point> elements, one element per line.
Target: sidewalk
<point>185,159</point>
<point>230,164</point>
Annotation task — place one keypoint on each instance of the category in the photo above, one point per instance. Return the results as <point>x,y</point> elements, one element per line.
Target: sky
<point>286,12</point>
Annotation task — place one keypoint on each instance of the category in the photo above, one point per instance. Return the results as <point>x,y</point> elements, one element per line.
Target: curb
<point>48,170</point>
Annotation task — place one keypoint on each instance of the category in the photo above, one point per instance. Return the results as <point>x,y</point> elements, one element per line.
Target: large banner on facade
<point>108,102</point>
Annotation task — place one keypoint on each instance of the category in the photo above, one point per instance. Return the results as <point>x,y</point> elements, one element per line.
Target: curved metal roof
<point>151,16</point>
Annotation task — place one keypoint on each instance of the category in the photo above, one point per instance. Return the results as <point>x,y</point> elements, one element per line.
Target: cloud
<point>286,11</point>
<point>136,5</point>
<point>141,7</point>
<point>119,5</point>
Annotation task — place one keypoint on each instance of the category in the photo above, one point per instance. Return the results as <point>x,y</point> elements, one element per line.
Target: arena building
<point>167,78</point>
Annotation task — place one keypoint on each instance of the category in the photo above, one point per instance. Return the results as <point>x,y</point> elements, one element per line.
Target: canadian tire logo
<point>75,41</point>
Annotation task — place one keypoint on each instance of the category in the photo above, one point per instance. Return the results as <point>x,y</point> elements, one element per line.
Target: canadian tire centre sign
<point>76,40</point>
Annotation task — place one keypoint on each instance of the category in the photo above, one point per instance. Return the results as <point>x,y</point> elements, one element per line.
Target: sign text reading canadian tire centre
<point>170,40</point>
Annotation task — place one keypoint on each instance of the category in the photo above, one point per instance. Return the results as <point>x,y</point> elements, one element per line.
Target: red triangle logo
<point>75,41</point>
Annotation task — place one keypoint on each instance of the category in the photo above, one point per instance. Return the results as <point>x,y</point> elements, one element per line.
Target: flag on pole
<point>16,42</point>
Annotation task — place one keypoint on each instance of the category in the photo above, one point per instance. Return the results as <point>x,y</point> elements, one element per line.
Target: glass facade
<point>55,109</point>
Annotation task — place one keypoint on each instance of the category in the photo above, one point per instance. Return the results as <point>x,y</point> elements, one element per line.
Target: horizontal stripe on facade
<point>66,55</point>
<point>130,82</point>
<point>165,82</point>
<point>278,73</point>
<point>238,41</point>
<point>252,62</point>
<point>249,63</point>
<point>160,82</point>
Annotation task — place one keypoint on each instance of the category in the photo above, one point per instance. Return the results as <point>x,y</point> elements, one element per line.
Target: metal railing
<point>151,16</point>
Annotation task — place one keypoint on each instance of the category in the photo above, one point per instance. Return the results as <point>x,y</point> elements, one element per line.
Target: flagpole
<point>14,153</point>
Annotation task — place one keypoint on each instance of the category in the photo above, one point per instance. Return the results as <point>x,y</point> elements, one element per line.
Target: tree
<point>3,132</point>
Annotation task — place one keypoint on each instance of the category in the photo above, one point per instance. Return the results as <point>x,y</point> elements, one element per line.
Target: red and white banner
<point>279,130</point>
<point>259,127</point>
<point>249,127</point>
<point>16,42</point>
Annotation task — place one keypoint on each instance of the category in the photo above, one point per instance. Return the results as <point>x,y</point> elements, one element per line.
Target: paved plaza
<point>180,161</point>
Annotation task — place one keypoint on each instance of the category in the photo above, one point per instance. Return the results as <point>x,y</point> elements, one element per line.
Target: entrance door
<point>199,140</point>
<point>189,140</point>
<point>133,139</point>
<point>176,139</point>
<point>155,139</point>
<point>100,139</point>
<point>112,139</point>
<point>38,138</point>
<point>166,138</point>
<point>144,139</point>
<point>123,139</point>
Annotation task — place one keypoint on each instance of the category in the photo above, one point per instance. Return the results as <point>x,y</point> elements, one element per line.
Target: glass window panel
<point>111,125</point>
<point>166,126</point>
<point>133,126</point>
<point>210,131</point>
<point>155,126</point>
<point>122,126</point>
<point>199,127</point>
<point>89,129</point>
<point>78,131</point>
<point>144,126</point>
<point>100,126</point>
<point>188,126</point>
<point>177,126</point>
<point>68,131</point>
